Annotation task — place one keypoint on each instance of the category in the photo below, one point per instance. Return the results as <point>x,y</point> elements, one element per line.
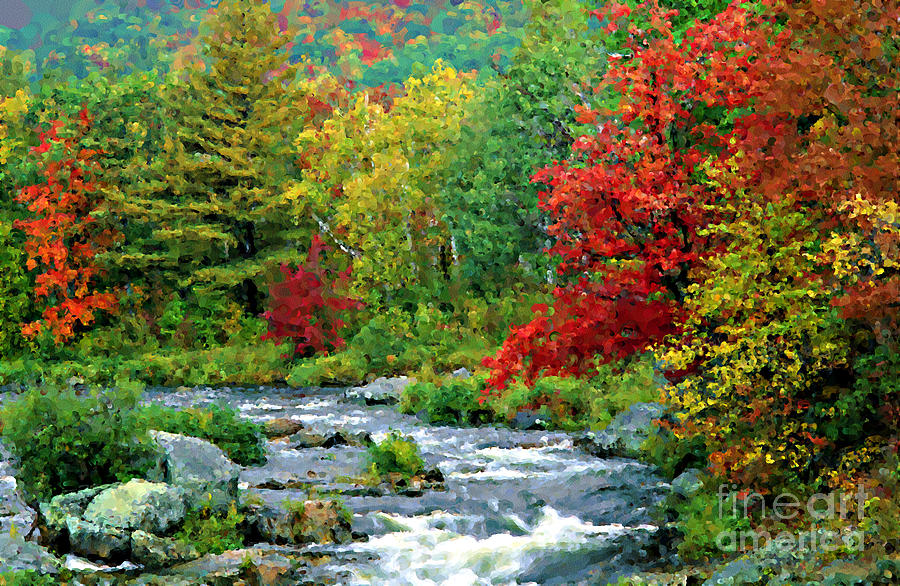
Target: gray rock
<point>305,439</point>
<point>688,482</point>
<point>199,467</point>
<point>461,373</point>
<point>243,566</point>
<point>92,540</point>
<point>625,433</point>
<point>280,427</point>
<point>160,552</point>
<point>77,564</point>
<point>312,521</point>
<point>7,462</point>
<point>18,554</point>
<point>526,419</point>
<point>381,391</point>
<point>63,506</point>
<point>149,506</point>
<point>15,514</point>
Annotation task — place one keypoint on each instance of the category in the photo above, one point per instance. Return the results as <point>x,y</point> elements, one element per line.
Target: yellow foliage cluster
<point>12,110</point>
<point>374,177</point>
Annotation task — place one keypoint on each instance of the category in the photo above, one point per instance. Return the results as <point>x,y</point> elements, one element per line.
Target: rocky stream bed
<point>505,506</point>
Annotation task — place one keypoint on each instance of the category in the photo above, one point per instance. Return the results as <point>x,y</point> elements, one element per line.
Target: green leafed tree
<point>15,102</point>
<point>520,121</point>
<point>212,218</point>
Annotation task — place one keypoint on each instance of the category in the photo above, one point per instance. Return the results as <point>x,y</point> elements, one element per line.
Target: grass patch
<point>213,532</point>
<point>396,454</point>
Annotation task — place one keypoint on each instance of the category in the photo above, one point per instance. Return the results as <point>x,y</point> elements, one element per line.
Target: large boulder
<point>97,541</point>
<point>625,433</point>
<point>61,507</point>
<point>208,477</point>
<point>102,528</point>
<point>18,554</point>
<point>381,391</point>
<point>149,506</point>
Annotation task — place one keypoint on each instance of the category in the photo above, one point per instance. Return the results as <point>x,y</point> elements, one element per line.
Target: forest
<point>549,212</point>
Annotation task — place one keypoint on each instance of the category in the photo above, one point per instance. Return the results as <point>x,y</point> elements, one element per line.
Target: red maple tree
<point>306,307</point>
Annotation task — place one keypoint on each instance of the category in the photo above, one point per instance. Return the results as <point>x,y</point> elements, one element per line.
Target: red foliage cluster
<point>63,237</point>
<point>306,306</point>
<point>785,108</point>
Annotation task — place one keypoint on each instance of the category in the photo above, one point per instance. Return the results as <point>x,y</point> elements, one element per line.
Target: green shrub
<point>396,454</point>
<point>453,401</point>
<point>213,532</point>
<point>14,303</point>
<point>576,403</point>
<point>674,455</point>
<point>66,442</point>
<point>562,403</point>
<point>347,367</point>
<point>703,518</point>
<point>397,341</point>
<point>98,361</point>
<point>240,438</point>
<point>25,578</point>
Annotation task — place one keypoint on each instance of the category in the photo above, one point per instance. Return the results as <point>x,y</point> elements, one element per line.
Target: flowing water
<point>520,507</point>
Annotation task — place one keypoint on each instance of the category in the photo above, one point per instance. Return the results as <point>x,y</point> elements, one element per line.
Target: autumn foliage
<point>63,237</point>
<point>735,211</point>
<point>306,307</point>
<point>716,190</point>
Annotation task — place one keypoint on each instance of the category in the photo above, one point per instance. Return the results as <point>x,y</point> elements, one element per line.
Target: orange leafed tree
<point>63,237</point>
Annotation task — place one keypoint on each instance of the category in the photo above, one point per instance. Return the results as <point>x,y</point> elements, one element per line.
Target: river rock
<point>77,564</point>
<point>305,439</point>
<point>199,467</point>
<point>149,506</point>
<point>381,391</point>
<point>625,433</point>
<point>312,521</point>
<point>526,419</point>
<point>688,483</point>
<point>63,506</point>
<point>462,373</point>
<point>98,541</point>
<point>7,462</point>
<point>240,566</point>
<point>18,554</point>
<point>15,514</point>
<point>281,427</point>
<point>160,552</point>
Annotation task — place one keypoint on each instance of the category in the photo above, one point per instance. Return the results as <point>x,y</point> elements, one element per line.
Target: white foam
<point>422,554</point>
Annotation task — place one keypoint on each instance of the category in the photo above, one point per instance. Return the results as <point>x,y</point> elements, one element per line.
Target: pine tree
<point>210,214</point>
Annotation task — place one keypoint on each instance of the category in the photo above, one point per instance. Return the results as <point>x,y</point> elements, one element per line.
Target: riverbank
<point>513,506</point>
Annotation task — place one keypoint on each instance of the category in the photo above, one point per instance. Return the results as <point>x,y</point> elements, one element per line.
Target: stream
<point>520,506</point>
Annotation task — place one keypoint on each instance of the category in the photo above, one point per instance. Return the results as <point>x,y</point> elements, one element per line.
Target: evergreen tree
<point>210,212</point>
